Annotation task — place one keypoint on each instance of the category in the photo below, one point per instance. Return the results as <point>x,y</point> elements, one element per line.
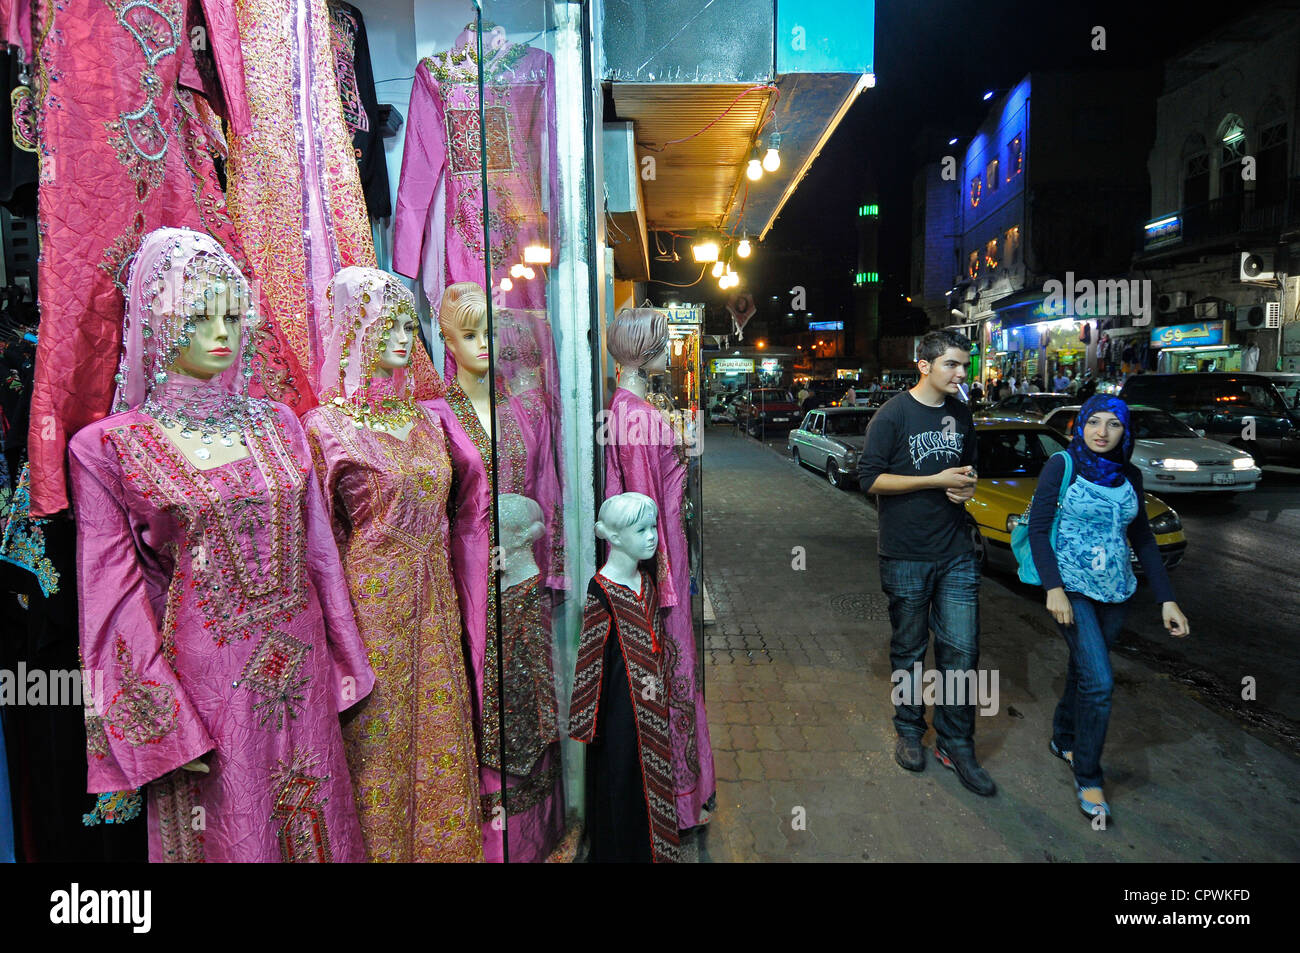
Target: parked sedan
<point>766,409</point>
<point>831,439</point>
<point>1011,456</point>
<point>1172,456</point>
<point>1028,406</point>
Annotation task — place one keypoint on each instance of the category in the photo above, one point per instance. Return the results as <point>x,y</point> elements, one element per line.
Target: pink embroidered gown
<point>126,139</point>
<point>532,818</point>
<point>214,604</point>
<point>411,744</point>
<point>438,224</point>
<point>642,456</point>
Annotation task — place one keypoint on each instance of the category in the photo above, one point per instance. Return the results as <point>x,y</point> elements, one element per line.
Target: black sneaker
<point>909,754</point>
<point>968,771</point>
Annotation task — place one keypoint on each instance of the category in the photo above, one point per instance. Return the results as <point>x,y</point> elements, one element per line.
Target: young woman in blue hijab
<point>1089,579</point>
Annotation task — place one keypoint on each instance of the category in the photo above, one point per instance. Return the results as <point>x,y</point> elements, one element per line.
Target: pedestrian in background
<point>1089,579</point>
<point>920,461</point>
<point>850,398</point>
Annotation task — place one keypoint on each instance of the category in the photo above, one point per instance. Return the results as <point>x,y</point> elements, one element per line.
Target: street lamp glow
<point>952,141</point>
<point>988,95</point>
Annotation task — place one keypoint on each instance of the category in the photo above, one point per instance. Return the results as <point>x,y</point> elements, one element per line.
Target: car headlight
<point>1243,463</point>
<point>1013,521</point>
<point>1166,523</point>
<point>1174,463</point>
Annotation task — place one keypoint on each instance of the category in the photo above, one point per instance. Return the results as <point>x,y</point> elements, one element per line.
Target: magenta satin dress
<point>642,456</point>
<point>214,603</point>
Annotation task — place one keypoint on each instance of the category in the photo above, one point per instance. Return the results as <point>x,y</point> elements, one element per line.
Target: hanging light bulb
<point>772,159</point>
<point>718,269</point>
<point>529,273</point>
<point>744,248</point>
<point>754,170</point>
<point>506,284</point>
<point>516,270</point>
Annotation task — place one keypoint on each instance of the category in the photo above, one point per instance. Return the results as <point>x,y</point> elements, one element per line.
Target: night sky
<point>934,60</point>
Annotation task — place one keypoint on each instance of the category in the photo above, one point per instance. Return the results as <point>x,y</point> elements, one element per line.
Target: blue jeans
<point>942,595</point>
<point>1084,710</point>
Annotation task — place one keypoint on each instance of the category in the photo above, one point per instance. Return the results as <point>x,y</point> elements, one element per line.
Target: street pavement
<point>798,691</point>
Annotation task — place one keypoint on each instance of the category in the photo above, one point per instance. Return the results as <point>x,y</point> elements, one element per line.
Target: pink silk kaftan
<point>533,812</point>
<point>214,604</point>
<point>126,143</point>
<point>438,227</point>
<point>643,455</point>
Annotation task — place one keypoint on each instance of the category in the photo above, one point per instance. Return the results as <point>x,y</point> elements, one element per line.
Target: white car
<point>1173,457</point>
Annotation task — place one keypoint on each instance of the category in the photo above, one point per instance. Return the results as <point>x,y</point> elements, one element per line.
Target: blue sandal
<point>1091,808</point>
<point>1066,756</point>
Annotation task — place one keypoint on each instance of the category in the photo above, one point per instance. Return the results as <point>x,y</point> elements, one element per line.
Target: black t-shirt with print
<point>908,438</point>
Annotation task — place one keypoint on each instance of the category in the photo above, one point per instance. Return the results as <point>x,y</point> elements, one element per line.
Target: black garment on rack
<point>356,79</point>
<point>18,165</point>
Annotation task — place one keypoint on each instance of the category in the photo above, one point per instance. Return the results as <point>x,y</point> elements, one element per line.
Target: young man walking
<point>920,461</point>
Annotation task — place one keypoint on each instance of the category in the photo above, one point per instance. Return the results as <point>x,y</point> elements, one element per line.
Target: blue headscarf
<point>1106,469</point>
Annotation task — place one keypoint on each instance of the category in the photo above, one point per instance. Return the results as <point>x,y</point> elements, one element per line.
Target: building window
<point>973,268</point>
<point>1232,150</point>
<point>1196,180</point>
<point>1015,158</point>
<point>1270,166</point>
<point>991,254</point>
<point>991,175</point>
<point>1011,246</point>
<point>975,186</point>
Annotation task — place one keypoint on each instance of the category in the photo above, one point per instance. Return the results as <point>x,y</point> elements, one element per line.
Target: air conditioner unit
<point>1256,266</point>
<point>1171,301</point>
<point>1259,316</point>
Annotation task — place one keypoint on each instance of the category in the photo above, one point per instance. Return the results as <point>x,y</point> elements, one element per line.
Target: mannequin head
<point>189,314</point>
<point>521,521</point>
<point>214,342</point>
<point>401,338</point>
<point>371,335</point>
<point>638,338</point>
<point>628,522</point>
<point>462,321</point>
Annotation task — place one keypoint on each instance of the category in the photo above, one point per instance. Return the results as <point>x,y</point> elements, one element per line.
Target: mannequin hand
<point>1058,604</point>
<point>197,766</point>
<point>1174,620</point>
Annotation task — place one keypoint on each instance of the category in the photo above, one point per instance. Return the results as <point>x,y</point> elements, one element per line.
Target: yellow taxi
<point>1012,452</point>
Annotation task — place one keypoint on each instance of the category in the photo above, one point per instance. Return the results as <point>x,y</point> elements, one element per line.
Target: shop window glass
<point>991,254</point>
<point>1015,158</point>
<point>1231,151</point>
<point>1196,180</point>
<point>973,266</point>
<point>991,175</point>
<point>976,186</point>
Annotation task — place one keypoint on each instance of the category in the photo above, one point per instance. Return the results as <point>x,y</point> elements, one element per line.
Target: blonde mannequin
<point>462,322</point>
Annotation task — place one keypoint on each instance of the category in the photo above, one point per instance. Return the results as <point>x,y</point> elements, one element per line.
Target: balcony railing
<point>1240,213</point>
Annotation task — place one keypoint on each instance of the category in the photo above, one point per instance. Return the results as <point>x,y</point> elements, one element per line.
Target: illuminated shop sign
<point>1163,231</point>
<point>685,314</point>
<point>732,365</point>
<point>825,325</point>
<point>1206,333</point>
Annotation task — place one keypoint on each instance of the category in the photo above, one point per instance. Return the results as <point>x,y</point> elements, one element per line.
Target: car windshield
<point>1158,425</point>
<point>1015,453</point>
<point>1290,391</point>
<point>847,425</point>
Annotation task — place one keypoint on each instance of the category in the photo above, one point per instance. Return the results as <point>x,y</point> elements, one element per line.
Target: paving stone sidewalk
<point>797,687</point>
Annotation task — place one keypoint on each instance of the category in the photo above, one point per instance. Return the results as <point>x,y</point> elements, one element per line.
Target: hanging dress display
<point>213,601</point>
<point>356,82</point>
<point>127,135</point>
<point>411,745</point>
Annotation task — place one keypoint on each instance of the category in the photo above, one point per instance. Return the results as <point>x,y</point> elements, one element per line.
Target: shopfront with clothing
<point>1191,348</point>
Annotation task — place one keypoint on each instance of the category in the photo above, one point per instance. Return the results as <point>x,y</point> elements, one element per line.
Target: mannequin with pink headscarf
<point>643,454</point>
<point>407,499</point>
<point>213,604</point>
<point>528,820</point>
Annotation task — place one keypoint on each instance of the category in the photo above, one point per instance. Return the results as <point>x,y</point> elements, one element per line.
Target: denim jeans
<point>942,595</point>
<point>1084,710</point>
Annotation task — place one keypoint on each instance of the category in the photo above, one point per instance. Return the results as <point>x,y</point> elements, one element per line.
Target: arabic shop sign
<point>1206,333</point>
<point>733,365</point>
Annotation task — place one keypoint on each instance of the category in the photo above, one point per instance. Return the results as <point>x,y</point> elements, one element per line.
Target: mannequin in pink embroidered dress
<point>643,454</point>
<point>407,497</point>
<point>533,812</point>
<point>211,595</point>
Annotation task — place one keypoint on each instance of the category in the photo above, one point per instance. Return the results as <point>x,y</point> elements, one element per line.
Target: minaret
<point>861,339</point>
